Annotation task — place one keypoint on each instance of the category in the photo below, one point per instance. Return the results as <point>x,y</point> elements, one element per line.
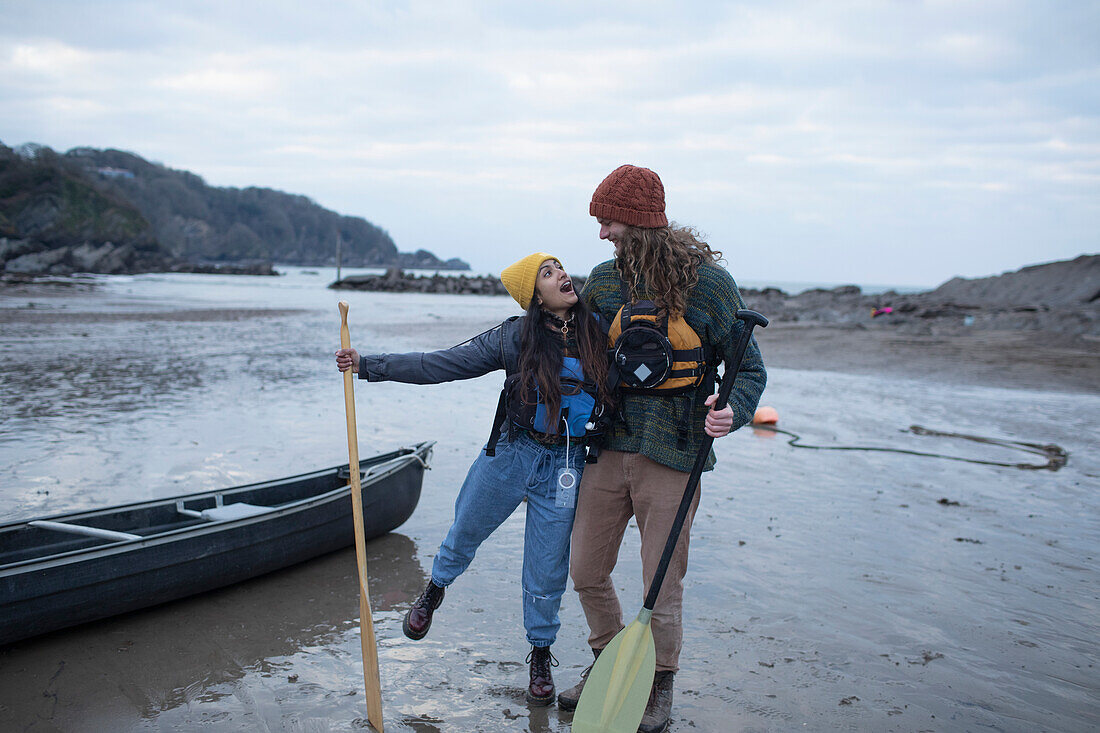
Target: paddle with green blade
<point>618,687</point>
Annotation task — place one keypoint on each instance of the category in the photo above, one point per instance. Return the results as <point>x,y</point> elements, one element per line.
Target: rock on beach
<point>26,258</point>
<point>1058,297</point>
<point>397,281</point>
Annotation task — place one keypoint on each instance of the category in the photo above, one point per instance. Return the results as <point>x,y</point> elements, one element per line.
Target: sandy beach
<point>1013,359</point>
<point>828,590</point>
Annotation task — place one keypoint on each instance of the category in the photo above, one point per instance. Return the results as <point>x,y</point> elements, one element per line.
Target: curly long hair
<point>664,262</point>
<point>542,350</point>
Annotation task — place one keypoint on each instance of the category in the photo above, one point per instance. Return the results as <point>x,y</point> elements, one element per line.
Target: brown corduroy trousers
<point>615,488</point>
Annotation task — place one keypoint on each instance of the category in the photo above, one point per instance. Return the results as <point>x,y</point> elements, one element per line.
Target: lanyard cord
<point>566,443</point>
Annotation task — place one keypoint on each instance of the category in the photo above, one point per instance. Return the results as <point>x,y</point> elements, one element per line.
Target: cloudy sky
<point>898,142</point>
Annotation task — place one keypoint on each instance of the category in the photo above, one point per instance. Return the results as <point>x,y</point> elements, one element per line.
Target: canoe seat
<point>223,512</point>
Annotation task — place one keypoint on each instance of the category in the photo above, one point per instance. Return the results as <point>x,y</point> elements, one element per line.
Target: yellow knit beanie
<point>519,277</point>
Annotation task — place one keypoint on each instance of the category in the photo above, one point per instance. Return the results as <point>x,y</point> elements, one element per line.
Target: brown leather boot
<point>568,700</point>
<point>419,618</point>
<point>659,708</point>
<point>541,689</point>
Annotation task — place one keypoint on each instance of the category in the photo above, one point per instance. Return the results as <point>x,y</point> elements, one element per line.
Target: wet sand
<point>1016,359</point>
<point>827,590</point>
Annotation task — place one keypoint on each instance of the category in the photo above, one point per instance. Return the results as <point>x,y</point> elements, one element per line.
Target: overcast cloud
<point>874,142</point>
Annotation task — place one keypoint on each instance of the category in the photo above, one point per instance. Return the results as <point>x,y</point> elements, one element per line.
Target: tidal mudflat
<point>828,590</point>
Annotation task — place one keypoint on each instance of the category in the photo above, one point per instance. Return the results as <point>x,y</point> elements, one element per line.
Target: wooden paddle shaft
<point>371,680</point>
<point>749,319</point>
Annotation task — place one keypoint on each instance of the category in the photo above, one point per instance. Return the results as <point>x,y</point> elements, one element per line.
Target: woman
<point>555,359</point>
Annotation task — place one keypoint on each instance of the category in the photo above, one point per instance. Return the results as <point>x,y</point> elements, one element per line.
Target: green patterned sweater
<point>651,421</point>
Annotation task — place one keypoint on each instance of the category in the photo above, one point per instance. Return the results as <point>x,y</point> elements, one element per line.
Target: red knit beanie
<point>631,195</point>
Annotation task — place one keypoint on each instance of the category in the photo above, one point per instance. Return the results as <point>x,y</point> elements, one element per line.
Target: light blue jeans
<point>494,487</point>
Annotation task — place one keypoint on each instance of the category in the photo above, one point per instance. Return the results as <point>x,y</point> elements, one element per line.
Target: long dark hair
<point>541,353</point>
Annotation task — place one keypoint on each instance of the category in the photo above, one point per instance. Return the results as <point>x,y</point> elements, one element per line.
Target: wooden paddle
<point>371,680</point>
<point>618,687</point>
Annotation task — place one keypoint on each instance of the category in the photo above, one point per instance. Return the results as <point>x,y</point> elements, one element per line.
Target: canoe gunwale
<point>418,448</point>
<point>413,454</point>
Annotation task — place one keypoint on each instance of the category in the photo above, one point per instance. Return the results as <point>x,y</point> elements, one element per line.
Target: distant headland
<point>110,211</point>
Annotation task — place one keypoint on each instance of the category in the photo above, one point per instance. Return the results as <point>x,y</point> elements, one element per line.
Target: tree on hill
<point>44,199</point>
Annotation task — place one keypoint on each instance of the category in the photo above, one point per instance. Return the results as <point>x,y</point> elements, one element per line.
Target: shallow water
<point>827,590</point>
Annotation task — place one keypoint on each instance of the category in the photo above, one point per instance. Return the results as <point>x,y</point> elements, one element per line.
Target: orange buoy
<point>765,416</point>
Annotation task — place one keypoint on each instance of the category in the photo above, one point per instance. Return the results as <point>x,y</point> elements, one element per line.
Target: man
<point>650,448</point>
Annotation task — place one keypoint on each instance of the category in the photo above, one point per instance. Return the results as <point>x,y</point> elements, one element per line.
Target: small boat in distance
<point>69,569</point>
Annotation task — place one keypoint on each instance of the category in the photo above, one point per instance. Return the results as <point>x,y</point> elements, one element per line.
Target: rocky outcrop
<point>397,281</point>
<point>27,257</point>
<point>1064,284</point>
<point>1058,297</point>
<point>422,259</point>
<point>221,268</point>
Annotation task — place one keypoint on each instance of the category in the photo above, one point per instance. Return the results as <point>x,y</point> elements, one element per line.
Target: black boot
<point>419,618</point>
<point>659,708</point>
<point>541,689</point>
<point>568,700</point>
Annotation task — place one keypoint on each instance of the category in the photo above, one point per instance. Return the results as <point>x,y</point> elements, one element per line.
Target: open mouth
<point>567,286</point>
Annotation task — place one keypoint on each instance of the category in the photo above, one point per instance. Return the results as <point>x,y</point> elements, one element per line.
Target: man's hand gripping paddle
<point>371,680</point>
<point>618,687</point>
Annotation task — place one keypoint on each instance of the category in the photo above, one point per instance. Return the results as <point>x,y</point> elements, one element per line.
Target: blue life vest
<point>576,403</point>
<point>578,407</point>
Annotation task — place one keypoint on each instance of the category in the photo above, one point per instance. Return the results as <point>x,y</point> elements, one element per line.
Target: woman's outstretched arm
<point>476,357</point>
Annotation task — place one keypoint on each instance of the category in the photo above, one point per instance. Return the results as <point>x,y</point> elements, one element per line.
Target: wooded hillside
<point>88,197</point>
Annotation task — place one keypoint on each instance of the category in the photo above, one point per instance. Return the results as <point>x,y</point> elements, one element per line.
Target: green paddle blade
<point>618,687</point>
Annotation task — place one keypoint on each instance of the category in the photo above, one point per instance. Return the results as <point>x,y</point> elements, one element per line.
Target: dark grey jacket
<point>497,348</point>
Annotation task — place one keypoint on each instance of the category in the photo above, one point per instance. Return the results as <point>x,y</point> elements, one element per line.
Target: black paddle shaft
<point>750,319</point>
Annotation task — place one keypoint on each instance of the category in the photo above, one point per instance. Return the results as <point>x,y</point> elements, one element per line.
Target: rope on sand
<point>1056,456</point>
